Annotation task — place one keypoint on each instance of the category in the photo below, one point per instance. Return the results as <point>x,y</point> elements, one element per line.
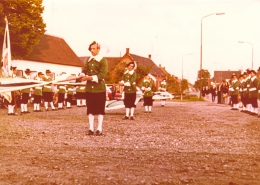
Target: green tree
<point>184,85</point>
<point>173,84</point>
<point>203,81</point>
<point>26,24</point>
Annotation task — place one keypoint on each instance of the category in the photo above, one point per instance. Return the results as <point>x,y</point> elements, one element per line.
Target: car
<point>118,94</point>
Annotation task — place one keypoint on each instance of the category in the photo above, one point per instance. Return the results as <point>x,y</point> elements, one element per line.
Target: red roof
<point>54,50</point>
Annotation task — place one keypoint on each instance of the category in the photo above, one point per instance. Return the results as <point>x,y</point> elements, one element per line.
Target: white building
<point>51,53</point>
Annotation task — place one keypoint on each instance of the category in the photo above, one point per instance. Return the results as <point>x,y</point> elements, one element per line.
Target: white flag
<point>6,53</point>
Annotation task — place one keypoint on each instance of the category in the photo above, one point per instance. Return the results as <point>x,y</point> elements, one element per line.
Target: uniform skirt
<point>148,101</point>
<point>96,103</point>
<point>129,100</point>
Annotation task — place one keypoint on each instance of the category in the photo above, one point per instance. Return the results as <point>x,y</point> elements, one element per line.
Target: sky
<point>170,30</point>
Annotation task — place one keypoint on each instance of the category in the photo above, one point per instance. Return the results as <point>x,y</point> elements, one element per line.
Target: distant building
<point>223,75</point>
<point>51,53</point>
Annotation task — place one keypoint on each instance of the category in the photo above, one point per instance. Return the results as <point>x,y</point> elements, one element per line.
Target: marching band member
<point>95,70</point>
<point>47,91</point>
<point>163,88</point>
<point>243,92</point>
<point>25,93</point>
<point>38,94</point>
<point>69,96</point>
<point>14,94</point>
<point>146,87</point>
<point>61,96</point>
<point>234,87</point>
<point>129,83</point>
<point>253,93</point>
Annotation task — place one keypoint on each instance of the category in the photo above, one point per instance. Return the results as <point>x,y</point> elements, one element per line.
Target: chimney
<point>150,56</point>
<point>127,50</point>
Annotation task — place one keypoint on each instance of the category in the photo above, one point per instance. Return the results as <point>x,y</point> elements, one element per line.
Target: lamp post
<point>252,50</point>
<point>221,70</point>
<point>201,48</point>
<point>182,71</point>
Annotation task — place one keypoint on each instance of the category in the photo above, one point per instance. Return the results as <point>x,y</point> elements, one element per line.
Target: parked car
<point>118,95</point>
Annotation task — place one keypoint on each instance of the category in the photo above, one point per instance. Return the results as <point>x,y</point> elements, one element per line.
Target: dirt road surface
<point>199,143</point>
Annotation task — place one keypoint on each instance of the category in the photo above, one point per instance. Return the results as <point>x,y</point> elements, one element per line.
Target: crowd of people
<point>241,92</point>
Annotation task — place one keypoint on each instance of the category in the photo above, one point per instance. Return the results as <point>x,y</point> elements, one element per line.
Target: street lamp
<point>221,69</point>
<point>182,71</point>
<point>252,50</point>
<point>201,48</point>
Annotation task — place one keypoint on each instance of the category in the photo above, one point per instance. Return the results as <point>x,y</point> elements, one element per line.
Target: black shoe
<point>53,109</point>
<point>131,118</point>
<point>26,112</point>
<point>68,107</point>
<point>145,111</point>
<point>46,109</point>
<point>253,114</point>
<point>98,133</point>
<point>90,132</point>
<point>39,110</point>
<point>125,118</point>
<point>11,114</point>
<point>150,112</point>
<point>35,110</point>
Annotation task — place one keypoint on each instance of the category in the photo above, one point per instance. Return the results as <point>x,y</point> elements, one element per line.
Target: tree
<point>184,85</point>
<point>204,80</point>
<point>26,24</point>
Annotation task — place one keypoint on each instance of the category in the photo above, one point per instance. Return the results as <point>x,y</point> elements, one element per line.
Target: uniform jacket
<point>96,67</point>
<point>129,79</point>
<point>146,87</point>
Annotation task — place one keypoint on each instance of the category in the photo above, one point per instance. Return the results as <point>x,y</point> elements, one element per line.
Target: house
<point>223,75</point>
<point>51,53</point>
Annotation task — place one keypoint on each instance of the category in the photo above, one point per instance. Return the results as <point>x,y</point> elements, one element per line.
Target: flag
<point>6,53</point>
<point>7,96</point>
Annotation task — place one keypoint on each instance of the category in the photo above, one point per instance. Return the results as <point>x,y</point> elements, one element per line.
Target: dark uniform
<point>253,92</point>
<point>234,90</point>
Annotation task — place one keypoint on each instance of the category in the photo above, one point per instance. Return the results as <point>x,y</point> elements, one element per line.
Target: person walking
<point>129,83</point>
<point>95,70</point>
<point>25,93</point>
<point>146,87</point>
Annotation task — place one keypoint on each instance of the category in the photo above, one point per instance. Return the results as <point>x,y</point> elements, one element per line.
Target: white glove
<point>127,84</point>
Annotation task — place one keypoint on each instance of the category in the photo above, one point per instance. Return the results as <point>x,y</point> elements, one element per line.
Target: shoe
<point>125,118</point>
<point>35,110</point>
<point>162,105</point>
<point>11,114</point>
<point>46,109</point>
<point>26,112</point>
<point>131,118</point>
<point>234,109</point>
<point>145,111</point>
<point>150,112</point>
<point>98,133</point>
<point>68,107</point>
<point>90,132</point>
<point>53,109</point>
<point>39,110</point>
<point>253,114</point>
